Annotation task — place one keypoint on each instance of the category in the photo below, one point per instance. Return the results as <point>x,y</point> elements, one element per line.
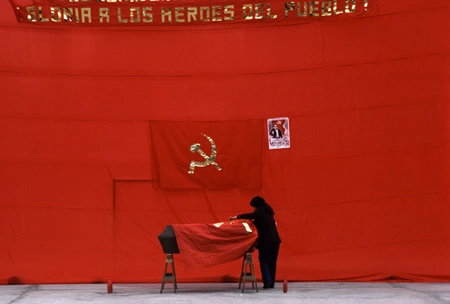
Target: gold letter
<point>149,15</point>
<point>335,8</point>
<point>305,9</point>
<point>179,14</point>
<point>289,6</point>
<point>104,13</point>
<point>326,8</point>
<point>77,15</point>
<point>119,16</point>
<point>202,10</point>
<point>313,10</point>
<point>32,14</point>
<point>56,14</point>
<point>192,14</point>
<point>164,14</point>
<point>86,13</point>
<point>259,10</point>
<point>68,14</point>
<point>229,13</point>
<point>247,11</point>
<point>347,6</point>
<point>135,14</point>
<point>41,18</point>
<point>216,12</point>
<point>268,13</point>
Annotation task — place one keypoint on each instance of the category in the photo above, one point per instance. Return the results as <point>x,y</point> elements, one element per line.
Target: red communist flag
<point>204,245</point>
<point>214,155</point>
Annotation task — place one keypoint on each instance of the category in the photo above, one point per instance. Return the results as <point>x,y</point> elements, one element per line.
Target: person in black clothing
<point>275,132</point>
<point>268,243</point>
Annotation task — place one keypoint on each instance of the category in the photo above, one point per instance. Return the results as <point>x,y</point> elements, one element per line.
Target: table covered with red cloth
<point>204,245</point>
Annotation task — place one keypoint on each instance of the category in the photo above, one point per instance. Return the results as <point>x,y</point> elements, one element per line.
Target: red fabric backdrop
<point>362,194</point>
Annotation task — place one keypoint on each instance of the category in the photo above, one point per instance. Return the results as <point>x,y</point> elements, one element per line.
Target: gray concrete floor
<point>221,293</point>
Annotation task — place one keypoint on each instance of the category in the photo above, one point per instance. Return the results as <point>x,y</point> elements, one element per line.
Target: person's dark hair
<point>259,202</point>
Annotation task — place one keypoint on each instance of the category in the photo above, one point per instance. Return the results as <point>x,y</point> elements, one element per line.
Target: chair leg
<point>241,277</point>
<point>169,276</point>
<point>248,272</point>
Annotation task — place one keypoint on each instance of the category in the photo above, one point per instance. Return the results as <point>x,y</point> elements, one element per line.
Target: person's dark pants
<point>268,255</point>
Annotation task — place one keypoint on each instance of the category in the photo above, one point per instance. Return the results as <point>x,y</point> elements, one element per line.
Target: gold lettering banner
<point>151,12</point>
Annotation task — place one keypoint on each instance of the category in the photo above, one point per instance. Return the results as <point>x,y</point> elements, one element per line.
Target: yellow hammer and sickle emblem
<point>209,160</point>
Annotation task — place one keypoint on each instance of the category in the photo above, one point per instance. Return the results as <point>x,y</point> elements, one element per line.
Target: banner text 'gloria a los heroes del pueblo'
<point>151,12</point>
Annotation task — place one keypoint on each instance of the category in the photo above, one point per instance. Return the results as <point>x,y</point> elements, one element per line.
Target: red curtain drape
<point>96,123</point>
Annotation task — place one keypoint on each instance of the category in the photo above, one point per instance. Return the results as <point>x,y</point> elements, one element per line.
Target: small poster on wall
<point>278,133</point>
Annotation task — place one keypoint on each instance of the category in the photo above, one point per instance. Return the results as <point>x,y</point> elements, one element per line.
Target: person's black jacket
<point>265,224</point>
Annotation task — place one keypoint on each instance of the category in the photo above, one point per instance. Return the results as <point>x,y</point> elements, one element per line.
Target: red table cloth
<point>204,245</point>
